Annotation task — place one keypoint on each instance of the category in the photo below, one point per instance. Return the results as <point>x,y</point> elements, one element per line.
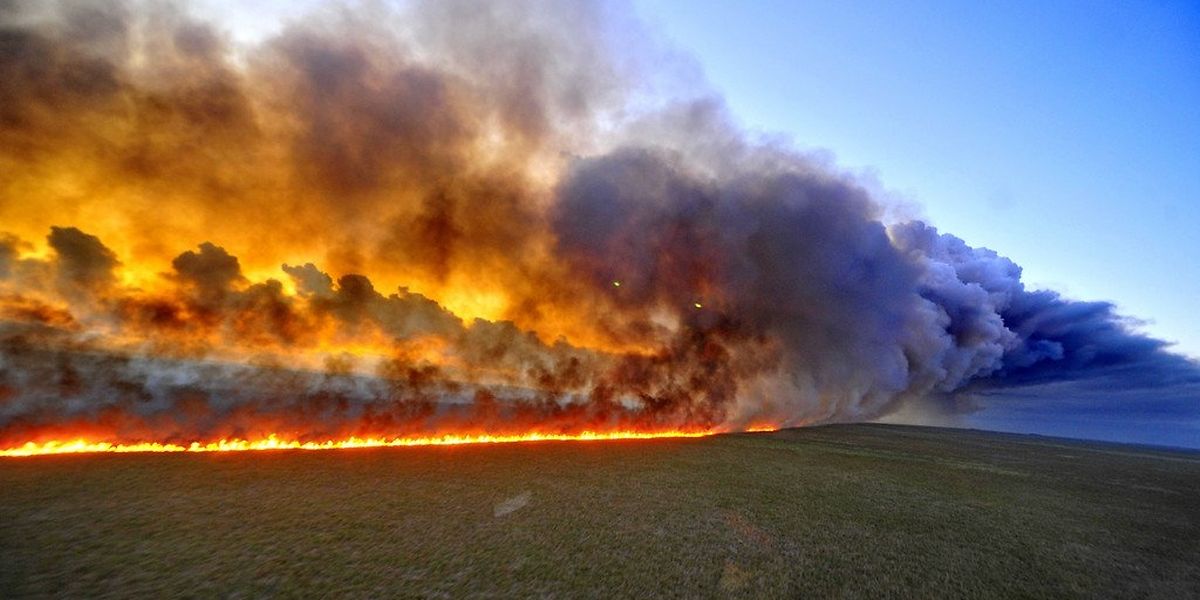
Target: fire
<point>764,428</point>
<point>346,228</point>
<point>274,442</point>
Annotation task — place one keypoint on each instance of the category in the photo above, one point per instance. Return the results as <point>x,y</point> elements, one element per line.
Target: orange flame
<point>273,442</point>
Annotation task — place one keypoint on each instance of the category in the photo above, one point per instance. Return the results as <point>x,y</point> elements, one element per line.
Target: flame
<point>366,232</point>
<point>274,442</point>
<point>763,428</point>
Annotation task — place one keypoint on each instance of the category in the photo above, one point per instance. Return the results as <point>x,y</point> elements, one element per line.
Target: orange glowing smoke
<point>273,442</point>
<point>398,232</point>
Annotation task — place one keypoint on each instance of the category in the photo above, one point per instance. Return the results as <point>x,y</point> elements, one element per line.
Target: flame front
<point>273,442</point>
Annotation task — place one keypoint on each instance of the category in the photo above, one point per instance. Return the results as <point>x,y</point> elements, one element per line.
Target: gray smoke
<point>661,269</point>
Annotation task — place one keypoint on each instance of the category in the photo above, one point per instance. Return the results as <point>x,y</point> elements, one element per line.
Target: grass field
<point>862,510</point>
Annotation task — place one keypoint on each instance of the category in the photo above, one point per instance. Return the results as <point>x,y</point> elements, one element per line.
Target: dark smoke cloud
<point>82,259</point>
<point>1045,338</point>
<point>8,256</point>
<point>655,267</point>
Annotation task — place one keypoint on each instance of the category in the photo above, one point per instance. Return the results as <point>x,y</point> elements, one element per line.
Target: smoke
<point>449,216</point>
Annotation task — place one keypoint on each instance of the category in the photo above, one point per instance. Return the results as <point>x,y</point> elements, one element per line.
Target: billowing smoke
<point>454,216</point>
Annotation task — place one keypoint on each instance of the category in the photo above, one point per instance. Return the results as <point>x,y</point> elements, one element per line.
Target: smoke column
<point>458,217</point>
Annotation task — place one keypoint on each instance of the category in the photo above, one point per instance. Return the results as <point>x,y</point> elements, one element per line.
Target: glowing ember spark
<point>273,442</point>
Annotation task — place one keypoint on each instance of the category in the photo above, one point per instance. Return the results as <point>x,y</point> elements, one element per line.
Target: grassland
<point>864,510</point>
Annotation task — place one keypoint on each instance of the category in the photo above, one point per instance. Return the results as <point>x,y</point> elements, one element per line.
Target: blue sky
<point>1064,135</point>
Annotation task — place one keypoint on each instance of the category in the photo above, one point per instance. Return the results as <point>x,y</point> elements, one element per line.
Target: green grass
<point>863,510</point>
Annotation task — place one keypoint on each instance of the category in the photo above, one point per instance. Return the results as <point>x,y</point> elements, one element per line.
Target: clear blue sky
<point>1064,135</point>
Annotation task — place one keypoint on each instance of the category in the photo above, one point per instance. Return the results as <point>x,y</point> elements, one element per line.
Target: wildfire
<point>273,442</point>
<point>373,231</point>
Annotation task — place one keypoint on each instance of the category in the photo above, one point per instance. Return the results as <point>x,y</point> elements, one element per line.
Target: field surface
<point>862,510</point>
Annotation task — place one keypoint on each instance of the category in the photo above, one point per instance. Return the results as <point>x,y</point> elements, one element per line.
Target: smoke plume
<point>467,217</point>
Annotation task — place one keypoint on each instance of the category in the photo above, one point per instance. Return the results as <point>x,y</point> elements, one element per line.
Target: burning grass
<point>857,510</point>
<point>273,442</point>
